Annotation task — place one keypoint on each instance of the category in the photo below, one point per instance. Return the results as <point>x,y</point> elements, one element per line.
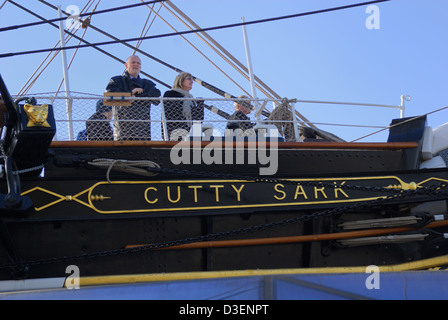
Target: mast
<point>69,100</point>
<point>251,74</point>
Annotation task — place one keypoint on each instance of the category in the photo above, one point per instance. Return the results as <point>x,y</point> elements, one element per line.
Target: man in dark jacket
<point>133,123</point>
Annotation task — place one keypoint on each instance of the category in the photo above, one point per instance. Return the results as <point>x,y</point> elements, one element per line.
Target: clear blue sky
<point>330,57</point>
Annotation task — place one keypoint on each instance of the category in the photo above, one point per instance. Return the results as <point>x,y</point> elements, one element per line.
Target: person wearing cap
<point>98,125</point>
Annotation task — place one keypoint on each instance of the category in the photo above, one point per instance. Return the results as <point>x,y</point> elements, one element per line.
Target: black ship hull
<point>219,217</point>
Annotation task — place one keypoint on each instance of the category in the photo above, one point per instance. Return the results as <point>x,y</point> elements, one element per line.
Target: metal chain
<point>154,168</point>
<point>231,176</point>
<point>18,172</point>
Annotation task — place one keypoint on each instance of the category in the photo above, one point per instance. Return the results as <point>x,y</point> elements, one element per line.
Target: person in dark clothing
<point>184,111</point>
<point>239,119</point>
<point>82,135</point>
<point>125,126</point>
<point>98,126</point>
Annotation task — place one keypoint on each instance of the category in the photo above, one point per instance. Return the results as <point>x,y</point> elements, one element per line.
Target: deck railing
<point>155,118</point>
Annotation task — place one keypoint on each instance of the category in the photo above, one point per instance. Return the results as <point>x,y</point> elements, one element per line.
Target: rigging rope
<point>206,85</point>
<point>118,41</point>
<point>88,43</point>
<point>303,123</point>
<point>202,83</point>
<point>5,55</point>
<point>27,86</point>
<point>182,19</point>
<point>200,52</point>
<point>139,43</point>
<point>243,71</point>
<point>401,123</point>
<point>82,38</point>
<point>81,15</point>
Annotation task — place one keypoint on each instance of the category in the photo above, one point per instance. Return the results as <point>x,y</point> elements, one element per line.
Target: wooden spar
<point>219,112</point>
<point>296,239</point>
<point>226,95</point>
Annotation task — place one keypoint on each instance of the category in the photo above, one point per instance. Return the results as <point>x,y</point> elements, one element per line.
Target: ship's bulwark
<point>132,224</point>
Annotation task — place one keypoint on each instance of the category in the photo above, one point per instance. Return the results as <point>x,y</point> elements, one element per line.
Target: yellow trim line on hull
<point>140,278</point>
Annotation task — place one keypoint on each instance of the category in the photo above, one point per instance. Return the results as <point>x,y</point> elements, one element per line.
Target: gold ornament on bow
<point>37,115</point>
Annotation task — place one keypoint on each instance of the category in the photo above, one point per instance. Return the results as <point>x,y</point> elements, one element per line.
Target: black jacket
<point>98,128</point>
<point>139,110</point>
<point>239,120</point>
<point>174,111</point>
<point>125,84</point>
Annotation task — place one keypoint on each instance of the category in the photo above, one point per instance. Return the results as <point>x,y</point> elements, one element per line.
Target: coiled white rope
<point>138,167</point>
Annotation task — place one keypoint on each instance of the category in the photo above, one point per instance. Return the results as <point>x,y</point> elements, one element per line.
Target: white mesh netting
<point>164,119</point>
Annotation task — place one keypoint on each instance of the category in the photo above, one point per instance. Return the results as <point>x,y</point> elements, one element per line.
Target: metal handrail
<point>259,102</point>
